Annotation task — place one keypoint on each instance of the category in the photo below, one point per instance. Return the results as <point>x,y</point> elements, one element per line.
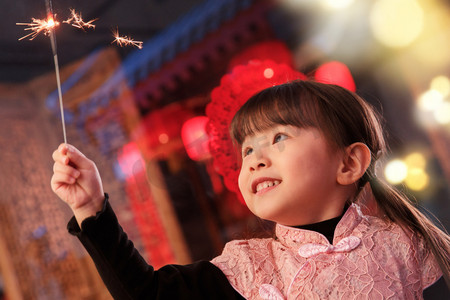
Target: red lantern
<point>337,73</point>
<point>195,138</point>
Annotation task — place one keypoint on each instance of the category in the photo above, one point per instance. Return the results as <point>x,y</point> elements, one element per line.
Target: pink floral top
<point>370,258</point>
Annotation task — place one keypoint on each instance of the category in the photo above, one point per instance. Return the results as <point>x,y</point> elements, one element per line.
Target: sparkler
<point>37,26</point>
<point>125,40</point>
<point>76,21</point>
<point>48,28</point>
<point>48,5</point>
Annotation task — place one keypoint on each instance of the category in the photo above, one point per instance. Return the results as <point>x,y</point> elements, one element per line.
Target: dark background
<point>22,60</point>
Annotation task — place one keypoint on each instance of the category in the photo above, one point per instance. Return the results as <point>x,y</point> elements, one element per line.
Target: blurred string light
<point>433,105</point>
<point>396,23</point>
<point>410,170</point>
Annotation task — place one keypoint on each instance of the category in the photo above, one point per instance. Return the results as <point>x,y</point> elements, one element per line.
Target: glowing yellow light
<point>336,4</point>
<point>415,160</point>
<point>396,23</point>
<point>441,84</point>
<point>396,171</point>
<point>38,26</point>
<point>51,22</point>
<point>442,113</point>
<point>417,179</point>
<point>430,100</point>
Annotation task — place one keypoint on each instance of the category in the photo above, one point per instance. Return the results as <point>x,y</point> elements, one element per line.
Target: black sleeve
<point>127,275</point>
<point>437,291</point>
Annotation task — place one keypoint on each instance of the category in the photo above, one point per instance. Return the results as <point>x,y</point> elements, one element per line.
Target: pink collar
<point>365,204</point>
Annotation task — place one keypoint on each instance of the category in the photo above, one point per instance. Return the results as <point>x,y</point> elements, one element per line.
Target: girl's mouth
<point>265,185</point>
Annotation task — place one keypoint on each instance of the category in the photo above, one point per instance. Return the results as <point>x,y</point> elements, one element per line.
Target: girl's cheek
<point>241,180</point>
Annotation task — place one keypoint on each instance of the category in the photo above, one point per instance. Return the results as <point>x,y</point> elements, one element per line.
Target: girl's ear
<point>355,161</point>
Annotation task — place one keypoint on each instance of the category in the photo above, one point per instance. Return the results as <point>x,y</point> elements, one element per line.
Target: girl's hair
<point>344,118</point>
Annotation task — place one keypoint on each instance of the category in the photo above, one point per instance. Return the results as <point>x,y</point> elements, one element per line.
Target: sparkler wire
<point>48,4</point>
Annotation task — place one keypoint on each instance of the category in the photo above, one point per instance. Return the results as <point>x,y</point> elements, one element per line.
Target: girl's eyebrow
<point>248,141</point>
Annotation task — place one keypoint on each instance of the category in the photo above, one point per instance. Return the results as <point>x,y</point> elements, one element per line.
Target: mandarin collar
<point>293,237</point>
<point>365,204</point>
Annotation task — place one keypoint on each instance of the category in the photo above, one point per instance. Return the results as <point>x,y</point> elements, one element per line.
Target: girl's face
<point>288,176</point>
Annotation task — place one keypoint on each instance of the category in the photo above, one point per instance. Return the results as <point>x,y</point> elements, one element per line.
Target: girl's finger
<point>77,158</point>
<point>58,156</point>
<point>59,179</point>
<point>68,154</point>
<point>68,169</point>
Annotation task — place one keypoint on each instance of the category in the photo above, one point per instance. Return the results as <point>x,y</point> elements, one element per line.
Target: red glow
<point>337,73</point>
<point>195,138</point>
<point>273,50</point>
<point>130,160</point>
<point>158,134</point>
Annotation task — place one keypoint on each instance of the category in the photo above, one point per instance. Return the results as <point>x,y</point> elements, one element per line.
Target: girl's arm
<point>125,273</point>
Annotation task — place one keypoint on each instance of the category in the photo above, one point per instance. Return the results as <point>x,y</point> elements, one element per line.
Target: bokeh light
<point>442,113</point>
<point>430,100</point>
<point>395,171</point>
<point>163,138</point>
<point>396,23</point>
<point>268,73</point>
<point>417,179</point>
<point>410,170</point>
<point>415,160</point>
<point>433,106</point>
<point>441,84</point>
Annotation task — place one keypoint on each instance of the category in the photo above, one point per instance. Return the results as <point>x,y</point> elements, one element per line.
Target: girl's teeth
<point>266,184</point>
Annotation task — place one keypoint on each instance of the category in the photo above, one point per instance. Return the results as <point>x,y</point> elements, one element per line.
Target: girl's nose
<point>260,161</point>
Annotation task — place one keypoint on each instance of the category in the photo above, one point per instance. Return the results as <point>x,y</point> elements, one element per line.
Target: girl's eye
<point>279,137</point>
<point>247,151</point>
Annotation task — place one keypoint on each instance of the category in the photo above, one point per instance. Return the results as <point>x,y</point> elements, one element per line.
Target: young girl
<point>309,152</point>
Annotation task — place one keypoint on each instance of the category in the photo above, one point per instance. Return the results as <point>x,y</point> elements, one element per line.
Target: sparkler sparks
<point>125,40</point>
<point>76,21</point>
<point>37,26</point>
<point>48,28</point>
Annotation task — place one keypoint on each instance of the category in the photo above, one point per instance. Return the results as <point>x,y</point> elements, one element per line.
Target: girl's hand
<point>77,182</point>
